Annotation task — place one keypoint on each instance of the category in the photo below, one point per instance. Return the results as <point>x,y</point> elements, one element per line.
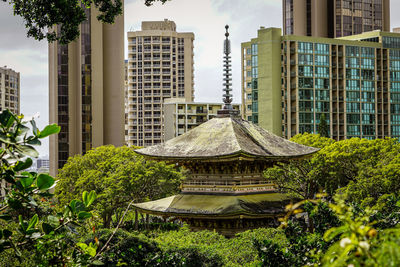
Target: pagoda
<point>225,189</point>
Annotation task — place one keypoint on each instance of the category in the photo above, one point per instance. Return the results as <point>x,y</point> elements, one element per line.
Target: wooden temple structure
<point>225,157</point>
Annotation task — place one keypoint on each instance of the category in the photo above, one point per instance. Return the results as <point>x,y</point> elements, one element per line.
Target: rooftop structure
<point>225,157</point>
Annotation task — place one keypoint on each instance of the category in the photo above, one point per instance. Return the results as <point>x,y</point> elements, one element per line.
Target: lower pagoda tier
<point>226,214</point>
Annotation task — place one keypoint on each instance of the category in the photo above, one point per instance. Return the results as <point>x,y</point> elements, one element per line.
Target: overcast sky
<point>205,18</point>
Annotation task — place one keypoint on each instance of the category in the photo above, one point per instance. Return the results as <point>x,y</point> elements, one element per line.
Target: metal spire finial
<point>227,97</point>
<point>227,109</point>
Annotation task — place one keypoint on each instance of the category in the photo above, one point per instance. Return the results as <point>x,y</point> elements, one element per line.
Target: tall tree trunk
<point>147,221</point>
<point>136,227</point>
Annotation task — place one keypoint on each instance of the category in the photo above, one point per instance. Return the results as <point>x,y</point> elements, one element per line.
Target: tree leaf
<point>80,206</point>
<point>84,215</point>
<point>85,197</point>
<point>27,150</point>
<point>5,139</point>
<point>26,182</point>
<point>35,142</point>
<point>33,222</point>
<point>22,165</point>
<point>34,127</point>
<point>92,197</point>
<point>5,116</point>
<point>10,121</point>
<point>23,129</point>
<point>44,181</point>
<point>48,130</point>
<point>53,220</point>
<point>97,263</point>
<point>82,246</point>
<point>22,224</point>
<point>72,205</point>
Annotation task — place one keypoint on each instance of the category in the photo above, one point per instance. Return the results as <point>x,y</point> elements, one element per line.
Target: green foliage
<point>237,251</point>
<point>271,254</point>
<point>363,169</point>
<point>386,211</point>
<point>132,249</point>
<point>32,225</point>
<point>302,178</point>
<point>127,249</point>
<point>118,176</point>
<point>358,242</point>
<point>323,127</point>
<point>321,217</point>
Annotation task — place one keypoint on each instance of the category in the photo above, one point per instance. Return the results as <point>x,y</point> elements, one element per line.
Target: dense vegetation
<point>118,176</point>
<point>348,216</point>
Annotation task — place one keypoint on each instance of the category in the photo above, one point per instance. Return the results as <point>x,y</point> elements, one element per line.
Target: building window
<point>254,49</point>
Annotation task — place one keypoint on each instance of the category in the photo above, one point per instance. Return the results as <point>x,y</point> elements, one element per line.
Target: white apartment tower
<point>160,66</point>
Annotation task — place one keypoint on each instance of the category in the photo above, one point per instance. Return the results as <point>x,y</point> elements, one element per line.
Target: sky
<point>205,18</point>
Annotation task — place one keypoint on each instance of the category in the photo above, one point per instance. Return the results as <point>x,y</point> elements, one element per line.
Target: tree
<point>118,176</point>
<point>42,15</point>
<point>300,178</point>
<point>31,224</point>
<point>323,127</point>
<point>363,169</point>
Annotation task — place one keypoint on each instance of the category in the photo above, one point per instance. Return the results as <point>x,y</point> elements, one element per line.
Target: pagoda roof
<point>218,206</point>
<point>227,138</point>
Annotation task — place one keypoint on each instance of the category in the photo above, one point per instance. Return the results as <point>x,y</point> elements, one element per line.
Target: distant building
<point>160,66</point>
<point>334,18</point>
<point>86,84</point>
<point>42,163</point>
<point>290,81</point>
<point>9,90</point>
<point>181,116</point>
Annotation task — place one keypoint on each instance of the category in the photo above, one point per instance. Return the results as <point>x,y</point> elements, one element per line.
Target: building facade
<point>181,116</point>
<point>160,67</point>
<point>335,18</point>
<point>86,84</point>
<point>9,90</point>
<point>290,81</point>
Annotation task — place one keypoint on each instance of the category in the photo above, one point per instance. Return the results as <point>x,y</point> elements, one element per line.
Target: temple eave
<point>253,206</point>
<point>241,156</point>
<point>239,215</point>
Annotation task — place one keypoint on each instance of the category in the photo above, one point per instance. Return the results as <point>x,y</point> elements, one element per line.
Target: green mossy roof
<point>227,137</point>
<point>191,205</point>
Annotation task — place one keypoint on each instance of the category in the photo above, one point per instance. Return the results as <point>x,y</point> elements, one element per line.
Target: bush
<point>237,251</point>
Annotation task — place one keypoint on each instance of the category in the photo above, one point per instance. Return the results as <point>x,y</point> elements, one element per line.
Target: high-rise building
<point>334,18</point>
<point>290,81</point>
<point>9,90</point>
<point>86,83</point>
<point>126,104</point>
<point>160,66</point>
<point>181,116</point>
